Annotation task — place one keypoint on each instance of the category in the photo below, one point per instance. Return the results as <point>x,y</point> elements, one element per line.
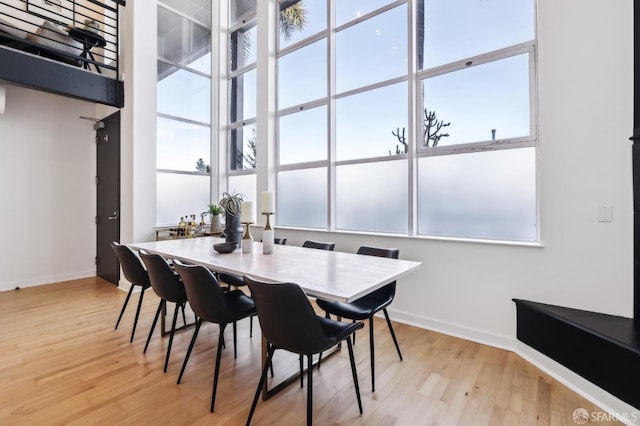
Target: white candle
<point>248,212</point>
<point>268,202</point>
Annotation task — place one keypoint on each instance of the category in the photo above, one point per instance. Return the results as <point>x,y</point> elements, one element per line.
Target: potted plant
<point>215,211</point>
<point>232,203</point>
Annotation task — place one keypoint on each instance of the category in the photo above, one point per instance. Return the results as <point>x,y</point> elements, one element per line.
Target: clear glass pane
<point>200,10</point>
<point>244,47</point>
<point>302,136</point>
<point>480,195</point>
<point>242,97</point>
<point>184,94</point>
<point>348,10</point>
<point>239,9</point>
<point>183,42</point>
<point>302,198</point>
<point>302,75</point>
<point>366,122</point>
<point>372,197</point>
<point>372,51</point>
<point>242,148</point>
<point>183,146</point>
<point>301,19</point>
<point>243,184</point>
<point>478,100</point>
<point>455,30</point>
<point>180,195</point>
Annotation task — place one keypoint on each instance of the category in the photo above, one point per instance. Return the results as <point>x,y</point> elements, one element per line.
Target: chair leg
<point>153,325</point>
<point>354,373</point>
<point>251,326</point>
<point>386,315</point>
<point>217,371</point>
<point>193,341</point>
<point>301,371</point>
<point>173,330</point>
<point>235,341</point>
<point>124,306</point>
<point>184,317</point>
<point>372,354</point>
<point>309,390</point>
<point>135,321</point>
<point>263,378</point>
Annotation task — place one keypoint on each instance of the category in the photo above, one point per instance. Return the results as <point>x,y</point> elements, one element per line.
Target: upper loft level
<point>66,47</point>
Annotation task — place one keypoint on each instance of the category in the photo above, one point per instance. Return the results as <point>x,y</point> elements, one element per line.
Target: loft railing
<point>81,32</point>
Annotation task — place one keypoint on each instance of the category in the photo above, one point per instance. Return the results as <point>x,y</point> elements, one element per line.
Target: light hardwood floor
<point>61,362</point>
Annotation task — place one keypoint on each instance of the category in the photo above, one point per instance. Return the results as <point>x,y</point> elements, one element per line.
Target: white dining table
<point>330,275</point>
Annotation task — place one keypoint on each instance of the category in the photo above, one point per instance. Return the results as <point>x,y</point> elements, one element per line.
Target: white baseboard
<point>47,279</point>
<point>611,406</point>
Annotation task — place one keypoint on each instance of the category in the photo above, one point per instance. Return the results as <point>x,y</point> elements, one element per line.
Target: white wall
<point>47,195</point>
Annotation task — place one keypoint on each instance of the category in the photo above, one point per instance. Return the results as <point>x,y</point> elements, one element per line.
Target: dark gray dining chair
<point>211,303</point>
<point>366,307</point>
<point>169,288</point>
<point>289,322</point>
<point>137,276</point>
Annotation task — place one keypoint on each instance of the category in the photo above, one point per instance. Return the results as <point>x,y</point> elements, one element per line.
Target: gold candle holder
<point>247,233</point>
<point>267,227</point>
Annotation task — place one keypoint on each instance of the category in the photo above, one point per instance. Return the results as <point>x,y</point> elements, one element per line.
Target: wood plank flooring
<point>62,363</point>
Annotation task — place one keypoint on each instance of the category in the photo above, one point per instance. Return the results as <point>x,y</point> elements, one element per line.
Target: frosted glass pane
<point>302,75</point>
<point>244,184</point>
<point>181,145</point>
<point>314,15</point>
<point>180,195</point>
<point>242,148</point>
<point>242,97</point>
<point>455,30</point>
<point>238,9</point>
<point>184,94</point>
<point>372,197</point>
<point>244,46</point>
<point>348,10</point>
<point>480,99</point>
<point>372,51</point>
<point>302,136</point>
<point>181,41</point>
<point>302,198</point>
<point>479,195</point>
<point>365,122</point>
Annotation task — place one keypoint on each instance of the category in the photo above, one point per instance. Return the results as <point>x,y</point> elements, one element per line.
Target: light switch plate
<point>605,213</point>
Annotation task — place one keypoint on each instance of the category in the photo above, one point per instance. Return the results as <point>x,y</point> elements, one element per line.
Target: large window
<point>438,140</point>
<point>183,147</point>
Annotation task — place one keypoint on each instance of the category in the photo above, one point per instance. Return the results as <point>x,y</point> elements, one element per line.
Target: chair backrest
<point>132,268</point>
<point>389,290</point>
<point>204,293</point>
<point>281,241</point>
<point>286,316</point>
<point>165,283</point>
<point>319,245</point>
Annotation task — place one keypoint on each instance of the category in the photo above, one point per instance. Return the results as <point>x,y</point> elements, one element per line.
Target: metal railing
<point>82,33</point>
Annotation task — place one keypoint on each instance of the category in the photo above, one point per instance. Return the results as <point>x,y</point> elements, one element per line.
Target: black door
<point>108,197</point>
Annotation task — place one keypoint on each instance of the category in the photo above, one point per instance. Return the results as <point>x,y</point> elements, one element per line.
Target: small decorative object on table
<point>268,208</point>
<point>225,247</point>
<point>231,203</point>
<point>248,217</point>
<point>92,25</point>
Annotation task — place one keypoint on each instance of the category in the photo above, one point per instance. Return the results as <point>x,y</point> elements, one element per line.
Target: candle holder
<point>267,237</point>
<point>247,239</point>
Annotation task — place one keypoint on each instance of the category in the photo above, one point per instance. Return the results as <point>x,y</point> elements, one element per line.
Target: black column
<point>636,165</point>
